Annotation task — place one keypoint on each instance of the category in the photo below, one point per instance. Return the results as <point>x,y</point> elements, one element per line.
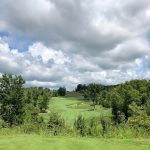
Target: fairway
<point>30,142</point>
<point>71,107</point>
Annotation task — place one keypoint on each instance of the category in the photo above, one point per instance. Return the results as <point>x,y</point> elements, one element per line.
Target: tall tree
<point>80,88</point>
<point>117,104</point>
<point>43,102</point>
<point>62,91</point>
<point>93,93</point>
<point>12,99</point>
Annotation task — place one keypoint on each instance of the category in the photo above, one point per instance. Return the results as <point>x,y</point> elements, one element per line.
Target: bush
<point>2,124</point>
<point>56,124</point>
<point>105,123</point>
<point>94,127</point>
<point>31,114</point>
<point>139,118</point>
<point>80,125</point>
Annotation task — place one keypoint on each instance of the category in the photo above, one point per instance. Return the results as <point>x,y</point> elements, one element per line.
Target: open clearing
<point>30,142</point>
<point>71,107</point>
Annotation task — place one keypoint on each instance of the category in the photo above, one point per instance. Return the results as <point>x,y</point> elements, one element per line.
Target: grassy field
<point>71,107</point>
<point>30,142</point>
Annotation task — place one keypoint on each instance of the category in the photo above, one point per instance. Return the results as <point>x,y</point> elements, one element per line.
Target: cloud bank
<point>56,43</point>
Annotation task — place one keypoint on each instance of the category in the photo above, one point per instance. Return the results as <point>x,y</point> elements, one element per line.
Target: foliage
<point>124,109</point>
<point>2,124</point>
<point>31,113</point>
<point>43,102</point>
<point>117,106</point>
<point>62,91</point>
<point>54,93</point>
<point>105,123</point>
<point>38,97</point>
<point>94,126</point>
<point>139,119</point>
<point>56,124</point>
<point>80,125</point>
<point>92,93</point>
<point>80,88</point>
<point>11,99</point>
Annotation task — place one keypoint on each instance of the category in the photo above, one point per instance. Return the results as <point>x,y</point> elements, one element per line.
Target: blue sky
<point>15,42</point>
<point>56,43</point>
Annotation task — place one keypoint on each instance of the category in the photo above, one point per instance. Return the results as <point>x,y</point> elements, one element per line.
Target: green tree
<point>62,91</point>
<point>139,118</point>
<point>56,123</point>
<point>148,107</point>
<point>54,93</point>
<point>93,93</point>
<point>80,88</point>
<point>35,95</point>
<point>117,104</point>
<point>43,102</point>
<point>28,97</point>
<point>12,99</point>
<point>31,114</point>
<point>143,99</point>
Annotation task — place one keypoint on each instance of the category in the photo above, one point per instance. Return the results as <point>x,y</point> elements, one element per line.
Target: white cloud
<point>76,41</point>
<point>39,50</point>
<point>45,69</point>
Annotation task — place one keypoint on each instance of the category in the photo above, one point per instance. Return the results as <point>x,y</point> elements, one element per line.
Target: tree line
<point>129,102</point>
<point>23,107</point>
<point>18,103</point>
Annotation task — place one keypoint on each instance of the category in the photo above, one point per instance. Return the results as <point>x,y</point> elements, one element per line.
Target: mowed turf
<point>71,107</point>
<point>30,142</point>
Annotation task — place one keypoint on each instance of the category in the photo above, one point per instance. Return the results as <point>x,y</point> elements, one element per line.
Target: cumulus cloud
<point>69,42</point>
<point>33,67</point>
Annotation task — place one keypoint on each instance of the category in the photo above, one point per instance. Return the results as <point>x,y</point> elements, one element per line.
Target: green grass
<point>31,142</point>
<point>71,107</point>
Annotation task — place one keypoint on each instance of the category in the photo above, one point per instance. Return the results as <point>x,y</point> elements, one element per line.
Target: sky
<point>54,43</point>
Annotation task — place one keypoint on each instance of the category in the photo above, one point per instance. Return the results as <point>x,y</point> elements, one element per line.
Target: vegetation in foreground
<point>34,142</point>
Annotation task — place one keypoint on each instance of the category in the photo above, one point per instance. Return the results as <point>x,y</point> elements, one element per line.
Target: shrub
<point>94,127</point>
<point>2,124</point>
<point>139,117</point>
<point>56,123</point>
<point>80,125</point>
<point>105,123</point>
<point>31,114</point>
